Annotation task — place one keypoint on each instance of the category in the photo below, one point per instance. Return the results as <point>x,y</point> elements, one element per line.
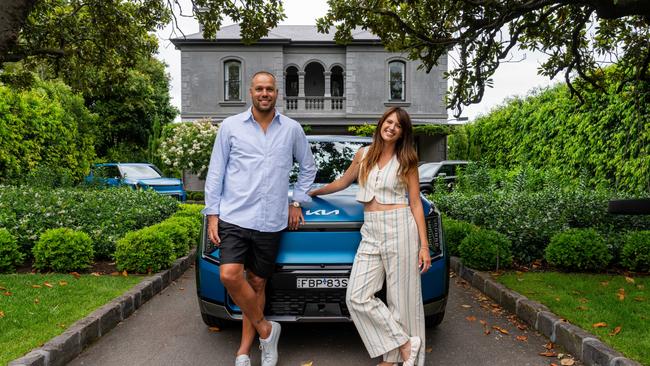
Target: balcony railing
<point>315,103</point>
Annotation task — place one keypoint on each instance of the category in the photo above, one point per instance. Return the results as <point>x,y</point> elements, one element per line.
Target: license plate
<point>321,282</point>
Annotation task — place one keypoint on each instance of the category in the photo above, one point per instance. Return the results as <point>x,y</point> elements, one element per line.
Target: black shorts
<point>254,249</point>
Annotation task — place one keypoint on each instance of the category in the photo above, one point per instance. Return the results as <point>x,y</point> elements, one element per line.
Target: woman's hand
<point>424,259</point>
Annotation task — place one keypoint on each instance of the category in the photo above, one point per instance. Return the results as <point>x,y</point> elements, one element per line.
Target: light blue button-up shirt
<point>248,177</point>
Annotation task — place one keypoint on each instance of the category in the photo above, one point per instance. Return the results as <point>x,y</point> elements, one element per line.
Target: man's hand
<point>295,217</point>
<point>213,229</point>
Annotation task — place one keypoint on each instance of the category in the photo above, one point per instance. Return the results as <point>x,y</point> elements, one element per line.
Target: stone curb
<point>580,343</point>
<point>65,347</point>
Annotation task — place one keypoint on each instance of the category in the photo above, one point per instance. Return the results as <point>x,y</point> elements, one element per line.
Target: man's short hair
<point>263,72</point>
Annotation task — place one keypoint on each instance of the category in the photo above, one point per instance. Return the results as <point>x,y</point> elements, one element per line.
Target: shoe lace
<point>266,354</point>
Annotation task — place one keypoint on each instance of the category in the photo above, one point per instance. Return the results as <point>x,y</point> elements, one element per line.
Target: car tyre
<point>212,321</point>
<point>434,320</point>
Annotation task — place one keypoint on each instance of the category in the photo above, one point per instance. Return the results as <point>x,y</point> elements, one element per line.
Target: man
<point>247,205</point>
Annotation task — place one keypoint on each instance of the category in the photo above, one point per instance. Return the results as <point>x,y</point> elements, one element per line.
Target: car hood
<point>156,181</point>
<point>336,207</point>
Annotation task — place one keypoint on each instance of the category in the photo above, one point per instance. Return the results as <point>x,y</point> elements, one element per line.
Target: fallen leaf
<point>63,283</point>
<point>36,286</point>
<point>557,299</point>
<point>429,350</point>
<point>483,322</point>
<point>182,288</point>
<point>466,306</point>
<point>47,284</point>
<point>486,331</point>
<point>214,329</point>
<point>604,283</point>
<point>615,331</point>
<point>522,338</point>
<point>62,325</point>
<point>600,325</point>
<point>36,301</point>
<point>2,288</point>
<point>471,318</point>
<point>629,279</point>
<point>96,274</point>
<point>115,273</point>
<point>308,363</point>
<point>501,330</point>
<point>582,307</point>
<point>75,275</point>
<point>567,362</point>
<point>553,364</point>
<point>549,345</point>
<point>583,300</point>
<point>125,274</point>
<point>621,294</point>
<point>7,293</point>
<point>522,326</point>
<point>548,354</point>
<point>639,298</point>
<point>640,287</point>
<point>2,314</point>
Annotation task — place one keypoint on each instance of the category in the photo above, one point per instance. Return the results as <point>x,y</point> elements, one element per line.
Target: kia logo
<point>322,212</point>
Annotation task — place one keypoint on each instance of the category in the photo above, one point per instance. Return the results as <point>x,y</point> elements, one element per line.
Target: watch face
<point>295,204</point>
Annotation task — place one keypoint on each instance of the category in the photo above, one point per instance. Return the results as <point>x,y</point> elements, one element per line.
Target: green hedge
<point>63,250</point>
<point>106,215</point>
<point>454,231</point>
<point>636,251</point>
<point>44,127</point>
<point>485,250</point>
<point>145,251</point>
<point>578,249</point>
<point>606,139</point>
<point>10,255</point>
<point>530,207</point>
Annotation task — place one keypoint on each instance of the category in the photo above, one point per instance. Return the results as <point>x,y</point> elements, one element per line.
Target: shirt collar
<point>249,115</point>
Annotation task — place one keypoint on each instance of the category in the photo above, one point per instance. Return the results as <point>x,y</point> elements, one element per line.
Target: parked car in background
<point>314,262</point>
<point>137,176</point>
<point>446,170</point>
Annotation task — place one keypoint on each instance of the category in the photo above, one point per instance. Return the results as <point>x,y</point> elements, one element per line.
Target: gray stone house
<point>321,84</point>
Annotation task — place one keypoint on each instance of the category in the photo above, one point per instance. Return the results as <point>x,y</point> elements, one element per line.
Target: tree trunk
<point>13,14</point>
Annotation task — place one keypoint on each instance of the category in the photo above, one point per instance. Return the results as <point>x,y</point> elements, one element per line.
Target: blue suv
<point>314,262</point>
<point>137,176</point>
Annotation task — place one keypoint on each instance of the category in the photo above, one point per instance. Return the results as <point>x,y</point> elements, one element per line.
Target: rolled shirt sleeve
<point>302,154</point>
<point>216,172</point>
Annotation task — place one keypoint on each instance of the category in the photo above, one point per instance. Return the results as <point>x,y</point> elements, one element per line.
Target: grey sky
<point>514,78</point>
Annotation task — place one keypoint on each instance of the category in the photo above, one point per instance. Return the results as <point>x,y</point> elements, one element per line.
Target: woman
<point>393,245</point>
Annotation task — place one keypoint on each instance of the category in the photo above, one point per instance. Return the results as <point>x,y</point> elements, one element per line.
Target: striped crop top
<point>383,184</point>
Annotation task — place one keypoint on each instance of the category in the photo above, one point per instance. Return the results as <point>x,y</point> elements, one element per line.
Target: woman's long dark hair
<point>406,155</point>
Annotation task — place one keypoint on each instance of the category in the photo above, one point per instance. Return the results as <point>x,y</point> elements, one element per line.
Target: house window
<point>232,80</point>
<point>291,82</point>
<point>397,77</point>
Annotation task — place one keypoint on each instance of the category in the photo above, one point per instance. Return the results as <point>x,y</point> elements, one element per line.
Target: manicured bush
<point>485,250</point>
<point>63,250</point>
<point>10,255</point>
<point>192,226</point>
<point>454,231</point>
<point>578,249</point>
<point>179,235</point>
<point>636,251</point>
<point>144,251</point>
<point>104,214</point>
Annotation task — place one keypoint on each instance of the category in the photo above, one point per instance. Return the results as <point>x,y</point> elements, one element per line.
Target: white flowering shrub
<point>187,146</point>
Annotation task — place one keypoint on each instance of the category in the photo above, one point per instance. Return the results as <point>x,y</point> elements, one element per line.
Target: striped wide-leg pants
<point>388,251</point>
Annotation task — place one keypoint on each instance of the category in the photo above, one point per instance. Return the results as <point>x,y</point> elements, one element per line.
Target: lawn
<point>615,308</point>
<point>36,307</point>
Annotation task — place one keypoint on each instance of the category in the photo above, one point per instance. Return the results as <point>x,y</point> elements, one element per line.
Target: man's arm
<point>302,154</point>
<point>214,182</point>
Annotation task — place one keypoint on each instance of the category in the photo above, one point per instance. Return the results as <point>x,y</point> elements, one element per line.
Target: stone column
<point>301,90</point>
<point>327,103</point>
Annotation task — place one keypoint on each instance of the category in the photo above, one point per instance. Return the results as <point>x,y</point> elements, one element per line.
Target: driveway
<point>168,330</point>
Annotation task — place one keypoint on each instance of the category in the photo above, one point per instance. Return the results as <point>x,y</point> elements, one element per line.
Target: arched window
<point>397,80</point>
<point>232,80</point>
<point>337,86</point>
<point>291,81</point>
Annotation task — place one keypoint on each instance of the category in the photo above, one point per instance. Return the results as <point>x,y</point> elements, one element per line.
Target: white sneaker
<point>243,360</point>
<point>415,350</point>
<point>269,346</point>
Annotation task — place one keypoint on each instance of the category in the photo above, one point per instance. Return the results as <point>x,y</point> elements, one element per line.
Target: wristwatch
<point>295,204</point>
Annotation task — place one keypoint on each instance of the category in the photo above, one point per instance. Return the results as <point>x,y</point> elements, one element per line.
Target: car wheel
<point>212,321</point>
<point>434,320</point>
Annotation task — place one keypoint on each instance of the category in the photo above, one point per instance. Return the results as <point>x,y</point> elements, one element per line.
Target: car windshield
<point>428,170</point>
<point>332,158</point>
<point>139,171</point>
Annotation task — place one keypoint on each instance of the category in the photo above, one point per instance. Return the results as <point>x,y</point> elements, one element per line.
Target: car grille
<point>295,302</point>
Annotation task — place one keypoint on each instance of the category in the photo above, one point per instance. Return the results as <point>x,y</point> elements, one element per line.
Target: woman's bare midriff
<point>376,206</point>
